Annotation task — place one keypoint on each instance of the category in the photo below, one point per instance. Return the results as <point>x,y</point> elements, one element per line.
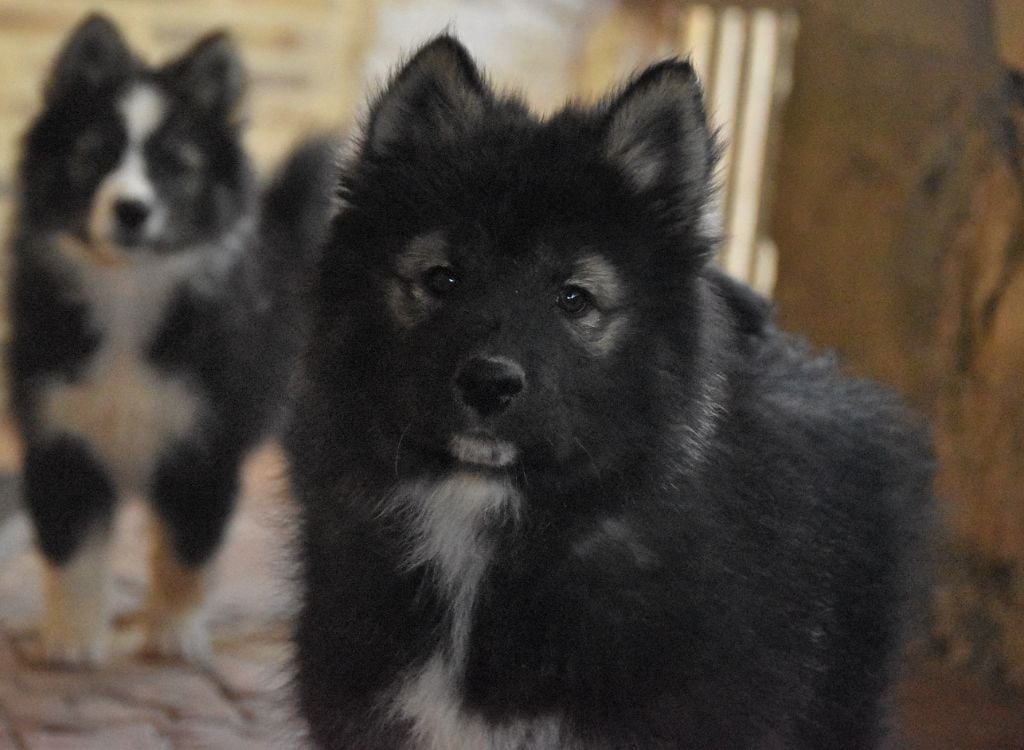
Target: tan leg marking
<point>175,617</point>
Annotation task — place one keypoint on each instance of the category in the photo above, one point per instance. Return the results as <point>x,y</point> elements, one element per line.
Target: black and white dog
<point>153,320</point>
<point>562,485</point>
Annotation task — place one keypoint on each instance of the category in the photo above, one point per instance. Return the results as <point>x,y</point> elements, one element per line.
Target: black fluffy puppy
<point>561,484</point>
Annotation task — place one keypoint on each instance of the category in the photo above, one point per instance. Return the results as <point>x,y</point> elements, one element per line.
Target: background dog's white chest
<point>126,411</point>
<point>124,408</point>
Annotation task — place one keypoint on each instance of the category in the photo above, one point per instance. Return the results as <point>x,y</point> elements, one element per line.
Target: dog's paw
<point>183,637</point>
<point>78,644</point>
<point>76,631</point>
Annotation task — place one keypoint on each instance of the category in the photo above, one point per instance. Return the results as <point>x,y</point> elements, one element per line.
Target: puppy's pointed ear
<point>657,134</point>
<point>437,93</point>
<point>94,56</point>
<point>211,74</point>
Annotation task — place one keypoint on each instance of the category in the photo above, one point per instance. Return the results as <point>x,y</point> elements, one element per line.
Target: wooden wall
<point>900,226</point>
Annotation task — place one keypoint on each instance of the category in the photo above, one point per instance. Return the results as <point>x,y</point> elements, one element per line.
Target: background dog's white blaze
<point>142,110</point>
<point>446,520</point>
<point>75,628</point>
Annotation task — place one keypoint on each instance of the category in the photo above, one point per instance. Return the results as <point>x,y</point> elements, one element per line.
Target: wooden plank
<point>725,89</point>
<point>698,38</point>
<point>751,136</point>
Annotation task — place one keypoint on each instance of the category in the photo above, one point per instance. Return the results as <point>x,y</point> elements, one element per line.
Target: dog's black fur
<point>674,525</point>
<point>225,331</point>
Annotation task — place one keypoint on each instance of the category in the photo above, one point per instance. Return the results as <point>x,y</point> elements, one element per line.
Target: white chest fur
<point>125,409</point>
<point>447,520</point>
<point>439,721</point>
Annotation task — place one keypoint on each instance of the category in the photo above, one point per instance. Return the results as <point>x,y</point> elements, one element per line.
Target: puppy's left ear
<point>657,134</point>
<point>211,74</point>
<point>436,94</point>
<point>93,56</point>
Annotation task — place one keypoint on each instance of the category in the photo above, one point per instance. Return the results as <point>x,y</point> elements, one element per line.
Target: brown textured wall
<point>900,228</point>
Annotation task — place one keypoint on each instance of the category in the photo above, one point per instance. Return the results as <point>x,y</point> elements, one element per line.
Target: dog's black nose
<point>131,213</point>
<point>488,385</point>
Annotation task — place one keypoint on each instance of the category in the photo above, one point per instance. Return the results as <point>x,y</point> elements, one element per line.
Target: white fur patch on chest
<point>428,700</point>
<point>126,410</point>
<point>447,522</point>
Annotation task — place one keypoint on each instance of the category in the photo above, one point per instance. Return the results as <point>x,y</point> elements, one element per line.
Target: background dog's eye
<point>85,158</point>
<point>184,156</point>
<point>573,300</point>
<point>440,280</point>
<point>189,156</point>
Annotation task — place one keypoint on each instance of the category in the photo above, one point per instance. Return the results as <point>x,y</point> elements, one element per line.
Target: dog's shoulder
<point>751,312</point>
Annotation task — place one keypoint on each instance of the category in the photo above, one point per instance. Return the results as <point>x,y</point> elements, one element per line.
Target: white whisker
<point>398,447</point>
<point>597,470</point>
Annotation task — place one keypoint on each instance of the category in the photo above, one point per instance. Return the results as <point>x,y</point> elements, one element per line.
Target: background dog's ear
<point>657,133</point>
<point>211,74</point>
<point>93,56</point>
<point>437,93</point>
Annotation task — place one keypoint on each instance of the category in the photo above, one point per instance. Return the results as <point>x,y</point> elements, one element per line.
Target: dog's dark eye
<point>573,300</point>
<point>182,156</point>
<point>189,157</point>
<point>85,157</point>
<point>440,280</point>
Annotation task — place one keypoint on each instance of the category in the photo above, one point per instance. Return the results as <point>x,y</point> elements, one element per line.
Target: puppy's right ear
<point>437,93</point>
<point>211,75</point>
<point>94,56</point>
